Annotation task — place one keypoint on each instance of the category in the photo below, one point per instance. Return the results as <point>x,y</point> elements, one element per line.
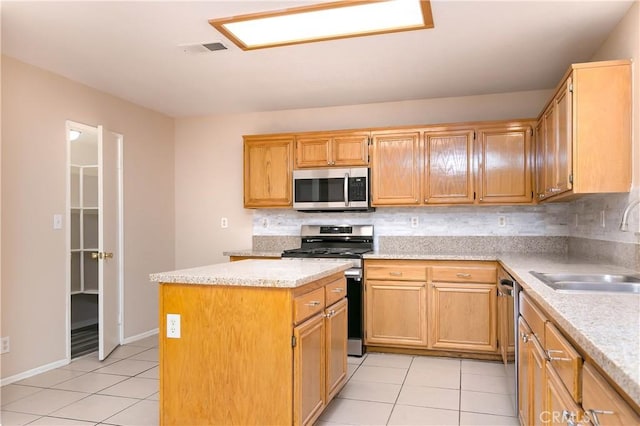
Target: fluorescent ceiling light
<point>74,134</point>
<point>325,21</point>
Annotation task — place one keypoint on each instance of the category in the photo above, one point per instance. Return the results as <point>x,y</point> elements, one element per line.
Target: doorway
<point>94,240</point>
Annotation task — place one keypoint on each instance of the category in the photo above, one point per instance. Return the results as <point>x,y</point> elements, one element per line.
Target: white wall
<point>35,106</point>
<point>209,157</point>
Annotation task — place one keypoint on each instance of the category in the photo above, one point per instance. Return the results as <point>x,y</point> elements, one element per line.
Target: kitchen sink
<point>608,283</point>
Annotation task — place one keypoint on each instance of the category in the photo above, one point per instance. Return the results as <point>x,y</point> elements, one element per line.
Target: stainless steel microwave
<point>331,189</point>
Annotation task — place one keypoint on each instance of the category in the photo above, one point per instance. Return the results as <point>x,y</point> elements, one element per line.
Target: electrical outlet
<point>4,345</point>
<point>602,219</point>
<point>502,221</point>
<point>173,326</point>
<point>415,221</point>
<point>224,222</point>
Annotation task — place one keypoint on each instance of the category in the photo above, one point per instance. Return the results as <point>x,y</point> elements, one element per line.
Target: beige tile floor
<point>383,389</point>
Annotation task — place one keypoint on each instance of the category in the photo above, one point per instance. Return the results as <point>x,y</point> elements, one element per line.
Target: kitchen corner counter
<point>290,273</point>
<point>430,256</point>
<point>605,325</point>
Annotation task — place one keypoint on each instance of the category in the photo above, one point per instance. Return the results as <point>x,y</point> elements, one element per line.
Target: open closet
<point>83,171</point>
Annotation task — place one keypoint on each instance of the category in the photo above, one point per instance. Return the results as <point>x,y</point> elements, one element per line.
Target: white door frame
<point>69,124</point>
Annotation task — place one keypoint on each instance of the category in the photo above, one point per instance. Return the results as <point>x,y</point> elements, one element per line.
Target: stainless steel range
<point>341,242</point>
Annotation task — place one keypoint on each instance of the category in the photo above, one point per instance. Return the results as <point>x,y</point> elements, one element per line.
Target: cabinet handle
<point>313,303</point>
<point>337,290</point>
<point>395,273</point>
<point>524,337</point>
<point>461,275</point>
<point>555,351</point>
<point>330,313</point>
<point>554,190</point>
<point>593,415</point>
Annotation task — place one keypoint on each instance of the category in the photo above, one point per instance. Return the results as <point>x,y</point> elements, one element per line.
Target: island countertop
<point>286,273</point>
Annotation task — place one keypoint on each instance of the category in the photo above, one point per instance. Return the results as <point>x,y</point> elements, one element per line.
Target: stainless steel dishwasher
<point>508,292</point>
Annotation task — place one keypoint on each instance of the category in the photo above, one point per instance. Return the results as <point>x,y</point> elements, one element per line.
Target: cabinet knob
<point>461,275</point>
<point>337,290</point>
<point>395,273</point>
<point>524,337</point>
<point>569,417</point>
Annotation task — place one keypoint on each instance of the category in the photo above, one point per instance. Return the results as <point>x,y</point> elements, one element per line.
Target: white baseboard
<point>33,372</point>
<point>140,336</point>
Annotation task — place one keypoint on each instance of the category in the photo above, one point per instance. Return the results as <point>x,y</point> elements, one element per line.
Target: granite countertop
<point>289,273</point>
<point>252,253</point>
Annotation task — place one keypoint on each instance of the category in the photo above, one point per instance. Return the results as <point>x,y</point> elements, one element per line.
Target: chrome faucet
<point>624,224</point>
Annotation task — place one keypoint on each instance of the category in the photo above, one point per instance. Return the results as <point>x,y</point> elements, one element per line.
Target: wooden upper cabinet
<point>327,150</point>
<point>504,164</point>
<point>587,132</point>
<point>448,175</point>
<point>268,166</point>
<point>395,168</point>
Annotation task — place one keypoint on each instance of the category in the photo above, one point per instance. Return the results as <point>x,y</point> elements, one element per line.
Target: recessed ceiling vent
<point>202,47</point>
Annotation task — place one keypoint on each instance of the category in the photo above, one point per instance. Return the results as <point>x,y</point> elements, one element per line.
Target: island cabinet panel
<point>232,362</point>
<point>504,165</point>
<point>268,171</point>
<point>252,355</point>
<point>448,169</point>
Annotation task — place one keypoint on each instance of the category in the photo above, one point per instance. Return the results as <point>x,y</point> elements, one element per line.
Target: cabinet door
<point>550,150</point>
<point>506,327</point>
<point>561,409</point>
<point>601,403</point>
<point>463,317</point>
<point>448,167</point>
<point>268,165</point>
<point>564,122</point>
<point>313,151</point>
<point>537,381</point>
<point>396,313</point>
<point>504,171</point>
<point>309,370</point>
<point>524,372</point>
<point>350,150</point>
<point>539,158</point>
<point>336,354</point>
<point>395,169</point>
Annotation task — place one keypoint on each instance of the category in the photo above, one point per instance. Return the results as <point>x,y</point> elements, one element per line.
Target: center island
<point>252,342</point>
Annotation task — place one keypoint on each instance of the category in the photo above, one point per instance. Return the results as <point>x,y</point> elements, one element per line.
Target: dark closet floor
<point>84,340</point>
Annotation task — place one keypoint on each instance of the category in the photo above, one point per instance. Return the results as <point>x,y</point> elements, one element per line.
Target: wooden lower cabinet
<point>463,317</point>
<point>252,355</point>
<point>602,404</point>
<point>396,313</point>
<point>336,348</point>
<point>309,370</point>
<point>561,408</point>
<point>531,379</point>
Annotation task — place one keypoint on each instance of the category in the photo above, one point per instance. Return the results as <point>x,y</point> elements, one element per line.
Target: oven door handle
<point>346,189</point>
<point>506,287</point>
<point>354,274</point>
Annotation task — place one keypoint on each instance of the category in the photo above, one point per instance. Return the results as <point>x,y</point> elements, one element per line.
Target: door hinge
<point>570,87</point>
<point>530,131</point>
<point>497,343</point>
<point>474,136</point>
<point>293,341</point>
<point>474,195</point>
<point>571,178</point>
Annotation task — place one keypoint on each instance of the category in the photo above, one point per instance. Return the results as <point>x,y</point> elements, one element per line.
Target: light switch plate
<point>57,221</point>
<point>173,326</point>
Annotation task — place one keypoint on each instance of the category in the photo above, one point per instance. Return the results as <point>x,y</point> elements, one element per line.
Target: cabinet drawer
<point>398,272</point>
<point>335,291</point>
<point>308,304</point>
<point>534,317</point>
<point>601,401</point>
<point>465,274</point>
<point>564,359</point>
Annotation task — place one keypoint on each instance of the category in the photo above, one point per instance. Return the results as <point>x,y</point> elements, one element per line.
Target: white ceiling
<point>131,50</point>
